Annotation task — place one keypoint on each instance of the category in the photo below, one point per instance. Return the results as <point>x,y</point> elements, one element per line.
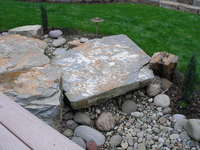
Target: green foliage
<point>44,18</point>
<point>190,79</point>
<point>182,104</point>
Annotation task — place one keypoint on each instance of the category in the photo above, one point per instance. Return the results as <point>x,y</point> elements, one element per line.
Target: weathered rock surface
<point>88,134</point>
<point>105,122</point>
<point>101,69</point>
<point>193,128</point>
<point>29,31</point>
<point>19,53</point>
<point>27,78</point>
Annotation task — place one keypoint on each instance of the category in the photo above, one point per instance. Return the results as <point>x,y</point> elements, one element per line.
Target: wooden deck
<point>21,130</point>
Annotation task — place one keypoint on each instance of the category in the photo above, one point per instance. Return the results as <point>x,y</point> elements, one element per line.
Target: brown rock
<point>74,43</point>
<point>91,145</point>
<point>164,64</point>
<point>165,84</point>
<point>105,122</point>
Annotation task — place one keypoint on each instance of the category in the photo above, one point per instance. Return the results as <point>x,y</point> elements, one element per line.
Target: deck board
<point>8,141</point>
<point>31,130</point>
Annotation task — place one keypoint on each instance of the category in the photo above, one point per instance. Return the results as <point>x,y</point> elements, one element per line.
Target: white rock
<point>178,117</point>
<point>124,144</point>
<point>162,100</point>
<point>174,136</point>
<point>137,114</point>
<point>84,40</point>
<point>59,42</point>
<point>193,128</point>
<point>60,51</point>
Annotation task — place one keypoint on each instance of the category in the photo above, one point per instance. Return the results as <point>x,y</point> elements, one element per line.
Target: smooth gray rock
<point>79,141</point>
<point>82,118</point>
<point>178,117</point>
<point>129,106</point>
<point>88,133</point>
<point>115,140</point>
<point>60,51</point>
<point>193,128</point>
<point>180,124</point>
<point>184,135</point>
<point>137,114</point>
<point>20,53</point>
<point>102,69</point>
<point>55,33</point>
<point>153,90</point>
<point>71,124</point>
<point>35,31</point>
<point>167,110</point>
<point>59,42</point>
<point>105,121</point>
<point>162,100</point>
<point>141,146</point>
<point>84,40</point>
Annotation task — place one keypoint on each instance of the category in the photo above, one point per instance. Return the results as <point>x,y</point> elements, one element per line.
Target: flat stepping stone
<point>102,69</point>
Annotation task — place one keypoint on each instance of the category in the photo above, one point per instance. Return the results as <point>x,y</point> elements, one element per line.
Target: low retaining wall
<point>180,6</point>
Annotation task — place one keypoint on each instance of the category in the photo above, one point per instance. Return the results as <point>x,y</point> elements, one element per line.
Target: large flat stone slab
<point>36,89</point>
<point>35,31</point>
<point>27,77</point>
<point>102,69</point>
<point>20,52</point>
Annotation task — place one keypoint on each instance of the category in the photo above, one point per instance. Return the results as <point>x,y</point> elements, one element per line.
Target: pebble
<point>82,118</point>
<point>68,133</point>
<point>174,136</point>
<point>79,141</point>
<point>115,140</point>
<point>137,114</point>
<point>129,106</point>
<point>124,144</point>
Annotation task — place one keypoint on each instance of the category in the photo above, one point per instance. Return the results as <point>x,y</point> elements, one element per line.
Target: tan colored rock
<point>164,64</point>
<point>74,43</point>
<point>35,31</point>
<point>20,52</point>
<point>165,84</point>
<point>105,122</point>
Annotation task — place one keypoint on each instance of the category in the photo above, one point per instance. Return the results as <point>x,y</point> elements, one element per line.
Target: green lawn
<point>154,29</point>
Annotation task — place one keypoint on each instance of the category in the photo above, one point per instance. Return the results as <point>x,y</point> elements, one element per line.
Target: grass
<point>154,29</point>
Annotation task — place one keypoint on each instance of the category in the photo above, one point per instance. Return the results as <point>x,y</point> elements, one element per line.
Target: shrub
<point>44,18</point>
<point>190,79</point>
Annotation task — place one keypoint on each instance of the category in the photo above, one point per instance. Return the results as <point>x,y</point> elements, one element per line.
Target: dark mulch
<point>193,109</point>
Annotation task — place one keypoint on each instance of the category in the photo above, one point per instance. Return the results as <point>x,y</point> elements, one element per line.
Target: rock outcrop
<point>27,77</point>
<point>102,69</point>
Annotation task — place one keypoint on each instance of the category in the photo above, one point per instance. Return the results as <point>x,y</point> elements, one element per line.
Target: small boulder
<point>193,128</point>
<point>105,121</point>
<point>129,106</point>
<point>82,118</point>
<point>153,90</point>
<point>178,117</point>
<point>59,42</point>
<point>162,100</point>
<point>55,33</point>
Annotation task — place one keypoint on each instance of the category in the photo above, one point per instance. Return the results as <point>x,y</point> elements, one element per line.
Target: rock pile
<point>138,120</point>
